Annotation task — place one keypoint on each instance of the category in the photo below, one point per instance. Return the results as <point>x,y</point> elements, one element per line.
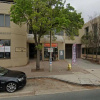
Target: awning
<point>52,45</point>
<point>45,39</point>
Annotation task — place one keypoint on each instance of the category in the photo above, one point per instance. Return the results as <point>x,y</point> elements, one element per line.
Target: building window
<point>86,30</point>
<point>61,33</point>
<point>5,49</point>
<point>30,31</point>
<point>4,20</point>
<point>95,29</point>
<point>72,32</point>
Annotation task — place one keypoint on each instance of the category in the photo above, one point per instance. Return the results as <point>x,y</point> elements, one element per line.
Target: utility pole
<point>50,60</point>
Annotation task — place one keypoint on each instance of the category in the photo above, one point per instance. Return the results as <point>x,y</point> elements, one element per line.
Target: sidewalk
<point>77,75</point>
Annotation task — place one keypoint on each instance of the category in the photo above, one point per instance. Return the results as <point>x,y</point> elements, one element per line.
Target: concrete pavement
<point>77,75</point>
<point>82,74</point>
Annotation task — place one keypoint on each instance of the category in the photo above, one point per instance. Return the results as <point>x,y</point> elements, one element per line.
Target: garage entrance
<point>68,51</point>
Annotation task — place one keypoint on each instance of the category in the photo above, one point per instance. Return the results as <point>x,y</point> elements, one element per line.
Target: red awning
<point>48,45</point>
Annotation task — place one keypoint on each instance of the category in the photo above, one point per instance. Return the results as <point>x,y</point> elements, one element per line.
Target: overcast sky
<point>87,7</point>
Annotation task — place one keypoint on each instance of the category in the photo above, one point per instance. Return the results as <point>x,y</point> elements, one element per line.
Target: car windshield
<point>3,71</point>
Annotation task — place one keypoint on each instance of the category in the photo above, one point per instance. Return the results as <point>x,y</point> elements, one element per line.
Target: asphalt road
<point>80,95</point>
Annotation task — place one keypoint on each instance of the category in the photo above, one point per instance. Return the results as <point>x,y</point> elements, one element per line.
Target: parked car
<point>11,80</point>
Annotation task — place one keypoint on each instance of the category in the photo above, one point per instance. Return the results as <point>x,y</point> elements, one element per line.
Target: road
<point>80,95</point>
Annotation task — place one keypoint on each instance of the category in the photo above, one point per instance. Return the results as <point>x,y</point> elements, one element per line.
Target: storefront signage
<point>5,32</point>
<point>20,49</point>
<point>5,49</point>
<point>48,45</point>
<point>73,54</point>
<point>50,49</point>
<point>61,53</point>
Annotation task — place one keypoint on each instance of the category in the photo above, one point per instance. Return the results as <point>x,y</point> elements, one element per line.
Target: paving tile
<point>78,74</point>
<point>85,81</point>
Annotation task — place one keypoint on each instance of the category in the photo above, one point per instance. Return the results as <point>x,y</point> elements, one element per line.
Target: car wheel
<point>11,87</point>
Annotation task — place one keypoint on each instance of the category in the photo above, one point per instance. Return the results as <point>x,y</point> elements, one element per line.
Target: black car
<point>11,80</point>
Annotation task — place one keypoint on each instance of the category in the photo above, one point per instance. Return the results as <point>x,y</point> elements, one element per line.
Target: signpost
<point>73,54</point>
<point>50,60</point>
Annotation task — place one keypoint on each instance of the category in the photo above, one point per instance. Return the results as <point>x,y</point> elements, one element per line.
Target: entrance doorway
<point>32,51</point>
<point>78,51</point>
<point>68,51</point>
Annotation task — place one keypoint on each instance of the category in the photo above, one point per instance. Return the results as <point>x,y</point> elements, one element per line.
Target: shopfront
<point>54,53</point>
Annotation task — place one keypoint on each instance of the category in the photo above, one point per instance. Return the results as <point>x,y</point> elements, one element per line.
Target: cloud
<point>87,7</point>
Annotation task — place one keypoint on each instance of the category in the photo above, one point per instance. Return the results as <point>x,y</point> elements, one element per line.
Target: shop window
<point>1,55</point>
<point>5,49</point>
<point>46,53</point>
<point>7,54</point>
<point>54,53</point>
<point>4,20</point>
<point>86,30</point>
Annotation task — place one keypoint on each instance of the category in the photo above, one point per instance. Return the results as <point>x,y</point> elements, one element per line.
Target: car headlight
<point>20,79</point>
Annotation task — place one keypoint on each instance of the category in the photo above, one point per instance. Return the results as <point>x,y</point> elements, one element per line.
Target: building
<point>17,44</point>
<point>92,28</point>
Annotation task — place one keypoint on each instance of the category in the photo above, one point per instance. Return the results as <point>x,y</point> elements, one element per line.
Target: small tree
<point>86,39</point>
<point>43,16</point>
<point>95,27</point>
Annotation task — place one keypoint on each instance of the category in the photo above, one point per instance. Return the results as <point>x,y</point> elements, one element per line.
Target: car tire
<point>11,87</point>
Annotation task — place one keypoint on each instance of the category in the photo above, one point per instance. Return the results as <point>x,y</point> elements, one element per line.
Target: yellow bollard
<point>69,66</point>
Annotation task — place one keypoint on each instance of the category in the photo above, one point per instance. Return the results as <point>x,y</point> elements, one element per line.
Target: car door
<point>0,82</point>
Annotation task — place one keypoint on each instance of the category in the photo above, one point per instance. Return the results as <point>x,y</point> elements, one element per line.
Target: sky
<point>88,8</point>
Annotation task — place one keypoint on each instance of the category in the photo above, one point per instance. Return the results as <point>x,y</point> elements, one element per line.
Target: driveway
<point>85,64</point>
<point>88,66</point>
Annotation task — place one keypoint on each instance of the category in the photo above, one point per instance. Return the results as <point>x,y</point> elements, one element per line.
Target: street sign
<point>50,49</point>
